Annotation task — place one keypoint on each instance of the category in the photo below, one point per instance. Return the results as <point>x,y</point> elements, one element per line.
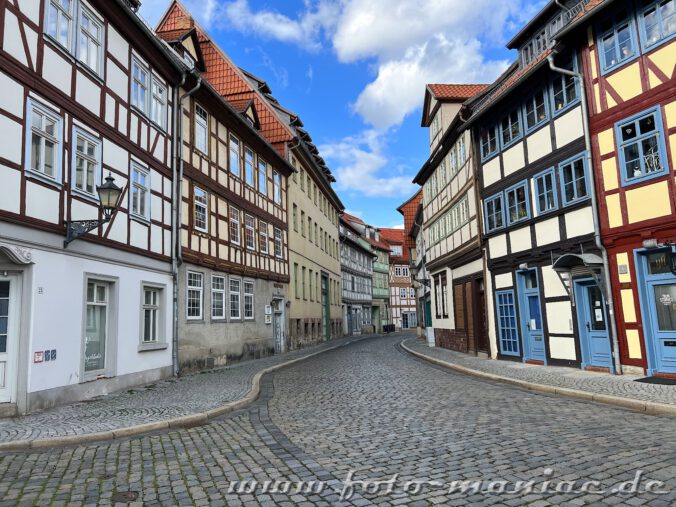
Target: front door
<point>482,335</point>
<point>531,316</point>
<point>658,304</point>
<point>404,320</point>
<point>592,325</point>
<point>278,324</point>
<point>9,311</point>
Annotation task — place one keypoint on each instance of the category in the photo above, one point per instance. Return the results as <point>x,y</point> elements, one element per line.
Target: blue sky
<point>355,71</point>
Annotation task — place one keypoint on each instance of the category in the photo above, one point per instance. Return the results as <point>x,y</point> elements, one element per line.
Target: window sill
<point>90,72</point>
<point>151,347</point>
<point>32,175</point>
<point>642,179</point>
<point>565,109</point>
<point>84,195</point>
<point>140,219</point>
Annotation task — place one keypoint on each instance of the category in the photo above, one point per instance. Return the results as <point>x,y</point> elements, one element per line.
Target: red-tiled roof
<point>352,218</point>
<point>409,209</point>
<point>173,35</point>
<point>379,244</point>
<point>396,237</point>
<point>455,91</point>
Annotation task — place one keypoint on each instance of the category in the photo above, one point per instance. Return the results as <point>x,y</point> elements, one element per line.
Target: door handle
<point>588,327</point>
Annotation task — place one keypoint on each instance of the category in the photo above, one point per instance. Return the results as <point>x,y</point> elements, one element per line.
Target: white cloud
<point>203,10</point>
<point>358,214</point>
<point>360,164</point>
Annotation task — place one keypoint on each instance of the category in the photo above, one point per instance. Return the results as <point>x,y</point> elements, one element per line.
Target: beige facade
<point>314,256</point>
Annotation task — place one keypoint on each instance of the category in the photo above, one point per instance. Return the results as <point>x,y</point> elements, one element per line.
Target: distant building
<point>356,257</point>
<point>403,300</point>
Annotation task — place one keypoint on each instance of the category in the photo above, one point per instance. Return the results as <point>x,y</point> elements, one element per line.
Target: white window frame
<point>201,124</point>
<point>32,107</point>
<point>249,169</point>
<point>276,187</point>
<point>279,243</point>
<point>89,138</point>
<point>232,152</point>
<point>249,298</point>
<point>262,177</point>
<point>60,12</point>
<point>134,186</point>
<point>158,101</point>
<point>198,290</point>
<point>250,232</point>
<point>93,19</point>
<point>222,292</point>
<point>263,238</point>
<point>235,310</point>
<point>202,206</point>
<point>234,222</point>
<point>159,319</point>
<point>145,84</point>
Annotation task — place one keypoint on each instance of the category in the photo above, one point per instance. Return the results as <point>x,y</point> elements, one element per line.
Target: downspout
<point>174,233</point>
<point>176,207</point>
<point>595,210</point>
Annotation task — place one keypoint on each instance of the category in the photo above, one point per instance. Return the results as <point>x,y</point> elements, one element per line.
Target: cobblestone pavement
<point>572,378</point>
<point>173,397</point>
<point>372,411</point>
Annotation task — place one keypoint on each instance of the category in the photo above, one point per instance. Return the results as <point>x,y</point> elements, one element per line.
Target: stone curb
<point>186,421</point>
<point>649,407</point>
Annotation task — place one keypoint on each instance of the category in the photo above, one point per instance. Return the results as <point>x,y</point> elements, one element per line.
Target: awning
<point>579,265</point>
<point>569,261</point>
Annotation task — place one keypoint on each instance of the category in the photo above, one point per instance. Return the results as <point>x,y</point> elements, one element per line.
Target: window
<point>201,210</point>
<point>396,250</point>
<point>658,21</point>
<point>616,45</point>
<point>249,167</point>
<point>89,39</point>
<point>312,293</point>
<point>304,271</point>
<point>234,225</point>
<point>494,213</point>
<point>489,141</point>
<point>402,293</point>
<point>250,232</point>
<point>507,327</point>
<point>248,300</point>
<point>158,109</point>
<point>641,147</point>
<point>302,223</point>
<point>60,20</point>
<point>278,242</point>
<point>263,237</point>
<point>545,192</point>
<point>201,129</point>
<point>316,234</point>
<point>44,154</point>
<point>397,271</point>
<point>295,217</point>
<point>295,280</point>
<point>564,88</point>
<point>235,292</point>
<point>277,188</point>
<point>262,177</point>
<point>96,326</point>
<point>412,293</point>
<point>573,181</point>
<point>234,156</point>
<point>517,203</point>
<point>309,228</point>
<point>139,86</point>
<point>218,297</point>
<point>151,315</point>
<point>87,163</point>
<point>510,128</point>
<point>535,110</point>
<point>194,296</point>
<point>140,192</point>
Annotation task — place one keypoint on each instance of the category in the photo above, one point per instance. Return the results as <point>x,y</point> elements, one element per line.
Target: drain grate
<point>124,497</point>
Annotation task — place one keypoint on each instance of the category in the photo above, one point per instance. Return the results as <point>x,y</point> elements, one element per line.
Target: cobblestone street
<point>369,411</point>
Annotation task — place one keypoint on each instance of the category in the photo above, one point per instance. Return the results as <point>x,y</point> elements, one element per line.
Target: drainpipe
<point>595,210</point>
<point>177,257</point>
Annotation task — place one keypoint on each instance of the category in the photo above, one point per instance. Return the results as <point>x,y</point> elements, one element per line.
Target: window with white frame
<point>250,232</point>
<point>140,192</point>
<point>234,226</point>
<point>44,154</point>
<point>263,237</point>
<point>139,87</point>
<point>151,314</point>
<point>249,167</point>
<point>90,39</point>
<point>403,293</point>
<point>235,299</point>
<point>641,147</point>
<point>218,297</point>
<point>262,177</point>
<point>396,250</point>
<point>201,210</point>
<point>201,129</point>
<point>397,271</point>
<point>60,21</point>
<point>248,300</point>
<point>158,109</point>
<point>279,242</point>
<point>235,159</point>
<point>276,187</point>
<point>412,293</point>
<point>195,295</point>
<point>87,163</point>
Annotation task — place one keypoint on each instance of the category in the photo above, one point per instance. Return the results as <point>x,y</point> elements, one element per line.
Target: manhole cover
<point>124,496</point>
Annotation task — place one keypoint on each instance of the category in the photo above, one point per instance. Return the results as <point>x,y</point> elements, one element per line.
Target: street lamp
<point>109,197</point>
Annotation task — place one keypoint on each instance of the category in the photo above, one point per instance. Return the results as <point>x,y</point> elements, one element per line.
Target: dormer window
<point>534,48</point>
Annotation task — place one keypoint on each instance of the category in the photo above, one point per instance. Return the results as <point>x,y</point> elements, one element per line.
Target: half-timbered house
<point>402,294</point>
<point>356,259</point>
<point>87,93</point>
<point>537,196</point>
<point>234,264</point>
<point>628,58</point>
<point>451,227</point>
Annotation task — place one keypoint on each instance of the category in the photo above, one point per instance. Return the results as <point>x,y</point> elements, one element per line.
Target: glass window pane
<point>665,306</point>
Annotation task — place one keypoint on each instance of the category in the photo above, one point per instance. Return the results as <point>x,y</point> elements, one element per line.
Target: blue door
<point>658,307</point>
<point>507,328</point>
<point>592,325</point>
<point>531,316</point>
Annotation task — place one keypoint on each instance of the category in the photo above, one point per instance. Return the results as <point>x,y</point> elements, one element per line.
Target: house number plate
<point>670,343</point>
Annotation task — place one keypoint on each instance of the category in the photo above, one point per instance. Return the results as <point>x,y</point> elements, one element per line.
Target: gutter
<point>595,209</point>
<point>177,199</point>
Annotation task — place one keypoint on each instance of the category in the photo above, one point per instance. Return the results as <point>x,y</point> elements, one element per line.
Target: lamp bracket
<point>78,228</point>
